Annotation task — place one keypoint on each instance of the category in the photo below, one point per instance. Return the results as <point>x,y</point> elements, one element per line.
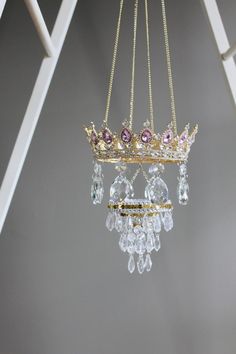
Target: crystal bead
<point>110,221</point>
<point>119,223</point>
<point>156,169</point>
<point>140,264</point>
<point>131,243</point>
<point>129,224</point>
<point>131,264</point>
<point>183,170</point>
<point>140,243</point>
<point>148,263</point>
<point>97,190</point>
<point>121,167</point>
<point>157,224</point>
<point>123,243</point>
<point>150,242</point>
<point>156,191</point>
<point>97,169</point>
<point>157,243</point>
<point>120,189</point>
<point>182,191</point>
<point>167,221</point>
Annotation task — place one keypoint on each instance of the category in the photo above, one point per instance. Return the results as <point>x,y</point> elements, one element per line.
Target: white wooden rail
<point>226,52</point>
<point>53,45</point>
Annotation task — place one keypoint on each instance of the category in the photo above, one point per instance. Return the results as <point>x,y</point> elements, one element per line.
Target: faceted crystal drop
<point>182,191</point>
<point>123,243</point>
<point>140,264</point>
<point>97,169</point>
<point>148,263</point>
<point>131,264</point>
<point>110,221</point>
<point>119,223</point>
<point>150,242</point>
<point>183,170</point>
<point>157,224</point>
<point>120,189</point>
<point>156,191</point>
<point>97,190</point>
<point>140,243</point>
<point>129,224</point>
<point>157,243</point>
<point>131,242</point>
<point>167,221</point>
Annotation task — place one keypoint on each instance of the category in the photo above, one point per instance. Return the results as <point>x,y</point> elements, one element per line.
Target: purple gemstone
<point>167,137</point>
<point>146,136</point>
<point>183,137</point>
<point>126,135</point>
<point>94,138</point>
<point>106,135</point>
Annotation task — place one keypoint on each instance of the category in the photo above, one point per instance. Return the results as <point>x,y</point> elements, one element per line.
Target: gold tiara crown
<point>143,147</point>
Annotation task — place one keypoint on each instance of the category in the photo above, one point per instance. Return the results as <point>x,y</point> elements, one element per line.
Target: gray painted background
<point>64,285</point>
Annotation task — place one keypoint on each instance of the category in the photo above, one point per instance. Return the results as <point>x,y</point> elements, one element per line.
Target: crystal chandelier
<point>140,221</point>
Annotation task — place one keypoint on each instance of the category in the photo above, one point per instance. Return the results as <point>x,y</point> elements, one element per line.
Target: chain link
<point>131,114</point>
<point>149,67</point>
<point>113,64</point>
<point>169,67</point>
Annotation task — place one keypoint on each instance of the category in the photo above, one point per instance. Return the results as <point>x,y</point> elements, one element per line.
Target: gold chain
<point>113,64</point>
<point>149,67</point>
<point>131,115</point>
<point>169,68</point>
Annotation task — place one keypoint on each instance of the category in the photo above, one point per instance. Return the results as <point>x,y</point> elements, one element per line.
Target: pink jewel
<point>94,138</point>
<point>183,137</point>
<point>146,136</point>
<point>126,135</point>
<point>167,137</point>
<point>106,135</point>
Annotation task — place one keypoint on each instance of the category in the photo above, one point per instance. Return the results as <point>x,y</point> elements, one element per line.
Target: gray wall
<point>64,284</point>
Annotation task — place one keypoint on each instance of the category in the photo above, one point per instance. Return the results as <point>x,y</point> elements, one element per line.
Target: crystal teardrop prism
<point>141,264</point>
<point>131,264</point>
<point>121,189</point>
<point>110,221</point>
<point>148,263</point>
<point>156,191</point>
<point>182,191</point>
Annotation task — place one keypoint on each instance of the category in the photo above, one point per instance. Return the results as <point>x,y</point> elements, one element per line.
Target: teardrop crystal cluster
<point>139,221</point>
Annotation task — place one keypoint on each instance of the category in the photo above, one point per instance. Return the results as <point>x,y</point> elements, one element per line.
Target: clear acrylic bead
<point>123,242</point>
<point>97,190</point>
<point>167,221</point>
<point>141,264</point>
<point>150,242</point>
<point>131,242</point>
<point>119,223</point>
<point>110,221</point>
<point>131,264</point>
<point>140,243</point>
<point>121,189</point>
<point>182,191</point>
<point>157,224</point>
<point>148,263</point>
<point>157,243</point>
<point>156,191</point>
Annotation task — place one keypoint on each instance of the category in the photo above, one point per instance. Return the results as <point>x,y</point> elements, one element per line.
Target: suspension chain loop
<point>131,115</point>
<point>149,67</point>
<point>169,67</point>
<point>113,64</point>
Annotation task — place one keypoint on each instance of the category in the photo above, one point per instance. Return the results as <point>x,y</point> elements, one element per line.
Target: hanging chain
<point>131,115</point>
<point>149,67</point>
<point>169,67</point>
<point>113,64</point>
